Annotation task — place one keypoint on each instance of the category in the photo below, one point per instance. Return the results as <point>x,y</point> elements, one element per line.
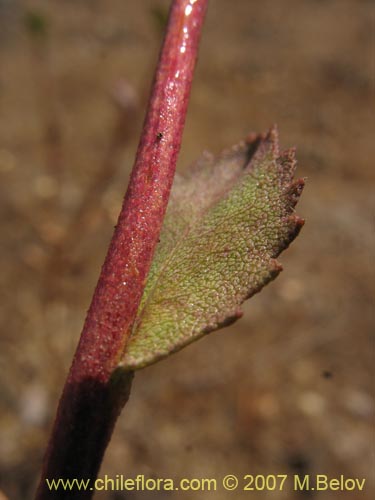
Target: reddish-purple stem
<point>95,391</point>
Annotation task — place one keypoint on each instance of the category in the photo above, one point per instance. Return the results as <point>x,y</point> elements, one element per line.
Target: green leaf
<point>226,222</point>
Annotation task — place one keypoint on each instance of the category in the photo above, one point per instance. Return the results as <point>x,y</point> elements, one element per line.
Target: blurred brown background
<point>289,388</point>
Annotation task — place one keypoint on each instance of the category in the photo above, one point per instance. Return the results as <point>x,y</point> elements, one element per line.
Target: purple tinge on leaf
<point>227,221</point>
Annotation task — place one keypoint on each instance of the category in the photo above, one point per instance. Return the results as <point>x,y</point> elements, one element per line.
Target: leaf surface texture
<point>227,221</point>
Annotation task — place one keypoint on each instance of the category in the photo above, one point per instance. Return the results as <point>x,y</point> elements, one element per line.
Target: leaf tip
<point>296,223</point>
<point>229,320</point>
<point>294,191</point>
<point>275,268</point>
<point>273,139</point>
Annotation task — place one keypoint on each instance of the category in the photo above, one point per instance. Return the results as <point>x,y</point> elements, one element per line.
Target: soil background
<point>288,389</point>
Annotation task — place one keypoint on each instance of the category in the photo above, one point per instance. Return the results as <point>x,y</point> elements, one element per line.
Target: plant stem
<point>95,391</point>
